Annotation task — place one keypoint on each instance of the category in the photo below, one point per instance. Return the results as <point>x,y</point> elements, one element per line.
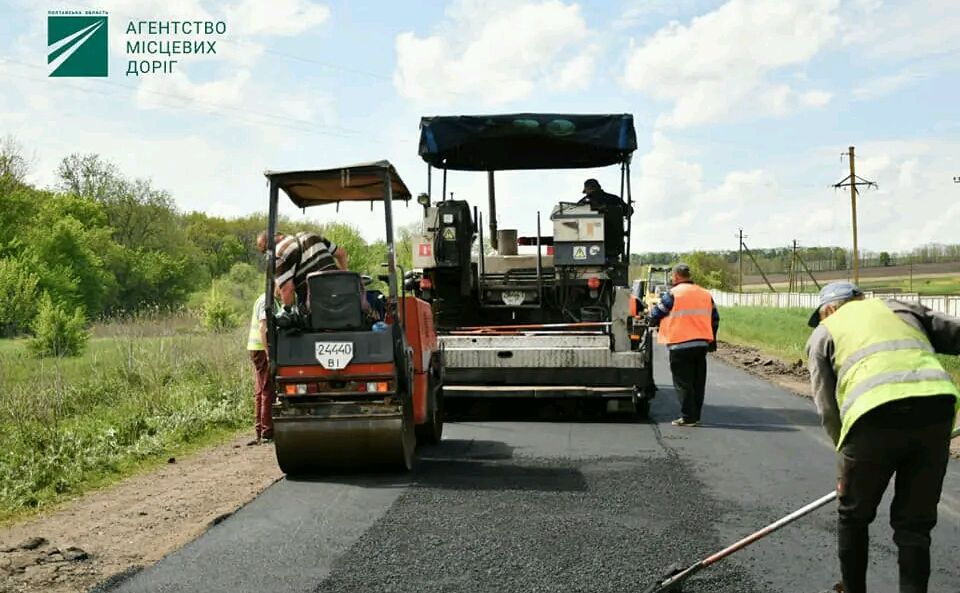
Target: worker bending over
<point>889,407</point>
<point>296,257</point>
<point>688,320</point>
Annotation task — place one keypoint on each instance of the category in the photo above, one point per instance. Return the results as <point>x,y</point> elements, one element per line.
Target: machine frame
<point>542,357</point>
<point>378,426</point>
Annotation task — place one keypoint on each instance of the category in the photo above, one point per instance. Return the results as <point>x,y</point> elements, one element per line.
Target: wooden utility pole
<point>809,273</point>
<point>911,272</point>
<point>853,181</point>
<point>853,207</point>
<point>793,269</point>
<point>740,261</point>
<point>759,269</point>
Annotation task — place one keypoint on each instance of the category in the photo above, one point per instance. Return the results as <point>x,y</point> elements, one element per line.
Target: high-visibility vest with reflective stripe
<point>691,317</point>
<point>879,358</point>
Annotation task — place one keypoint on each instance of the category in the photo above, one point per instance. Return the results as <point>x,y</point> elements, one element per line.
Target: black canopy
<point>526,141</point>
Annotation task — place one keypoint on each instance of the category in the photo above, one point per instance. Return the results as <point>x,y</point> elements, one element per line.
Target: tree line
<point>103,244</point>
<point>778,260</point>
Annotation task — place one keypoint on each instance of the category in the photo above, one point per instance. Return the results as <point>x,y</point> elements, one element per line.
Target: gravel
<point>531,525</point>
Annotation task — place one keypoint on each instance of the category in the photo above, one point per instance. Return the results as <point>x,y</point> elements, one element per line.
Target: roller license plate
<point>334,356</point>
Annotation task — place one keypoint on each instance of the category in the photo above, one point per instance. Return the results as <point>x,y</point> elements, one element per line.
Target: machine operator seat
<point>335,299</point>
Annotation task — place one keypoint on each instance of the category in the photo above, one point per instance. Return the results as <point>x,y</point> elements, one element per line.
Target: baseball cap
<point>590,184</point>
<point>832,293</point>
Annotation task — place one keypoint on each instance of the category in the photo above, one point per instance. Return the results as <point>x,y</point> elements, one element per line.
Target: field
<point>928,279</point>
<point>924,285</point>
<point>782,333</point>
<point>143,390</point>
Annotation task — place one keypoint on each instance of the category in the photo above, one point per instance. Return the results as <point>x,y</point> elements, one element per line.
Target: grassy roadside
<point>782,333</point>
<point>143,390</point>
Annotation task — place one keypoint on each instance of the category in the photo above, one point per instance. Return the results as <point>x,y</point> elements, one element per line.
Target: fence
<point>949,305</point>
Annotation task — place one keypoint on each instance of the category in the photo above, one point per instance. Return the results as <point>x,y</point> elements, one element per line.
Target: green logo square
<point>77,45</point>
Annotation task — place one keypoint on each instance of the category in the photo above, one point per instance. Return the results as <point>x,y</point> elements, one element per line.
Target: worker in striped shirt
<point>297,256</point>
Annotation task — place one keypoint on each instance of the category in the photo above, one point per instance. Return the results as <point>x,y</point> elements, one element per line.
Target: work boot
<point>684,422</point>
<point>255,441</point>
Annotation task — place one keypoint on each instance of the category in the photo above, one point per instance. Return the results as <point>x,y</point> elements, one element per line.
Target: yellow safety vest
<point>879,358</point>
<point>253,338</point>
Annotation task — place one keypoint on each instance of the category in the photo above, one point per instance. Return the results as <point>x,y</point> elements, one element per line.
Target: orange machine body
<point>422,339</point>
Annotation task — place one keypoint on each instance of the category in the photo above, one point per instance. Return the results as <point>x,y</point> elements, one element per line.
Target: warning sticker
<point>579,252</point>
<point>424,250</point>
<point>449,233</point>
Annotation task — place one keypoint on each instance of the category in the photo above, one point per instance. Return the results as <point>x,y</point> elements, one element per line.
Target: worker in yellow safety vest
<point>688,321</point>
<point>889,406</point>
<point>263,393</point>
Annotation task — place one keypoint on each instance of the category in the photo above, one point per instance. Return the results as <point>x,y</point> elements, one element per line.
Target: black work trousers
<point>909,438</point>
<point>689,369</point>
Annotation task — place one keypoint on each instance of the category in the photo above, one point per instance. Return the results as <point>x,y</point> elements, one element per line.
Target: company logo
<point>77,44</point>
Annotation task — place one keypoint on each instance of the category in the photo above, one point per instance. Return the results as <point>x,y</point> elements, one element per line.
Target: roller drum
<point>327,437</point>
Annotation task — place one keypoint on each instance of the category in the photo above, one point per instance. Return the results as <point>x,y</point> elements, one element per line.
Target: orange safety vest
<point>691,317</point>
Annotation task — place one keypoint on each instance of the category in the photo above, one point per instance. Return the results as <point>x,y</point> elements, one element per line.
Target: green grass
<point>932,286</point>
<point>782,333</point>
<point>142,390</point>
<point>776,332</point>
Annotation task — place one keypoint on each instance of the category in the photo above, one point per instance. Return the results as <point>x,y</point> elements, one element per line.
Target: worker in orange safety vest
<point>688,321</point>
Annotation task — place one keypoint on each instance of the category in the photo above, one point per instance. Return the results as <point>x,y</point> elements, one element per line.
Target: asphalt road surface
<point>563,506</point>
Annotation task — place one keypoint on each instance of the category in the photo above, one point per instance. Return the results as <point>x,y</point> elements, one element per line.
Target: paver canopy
<point>526,141</point>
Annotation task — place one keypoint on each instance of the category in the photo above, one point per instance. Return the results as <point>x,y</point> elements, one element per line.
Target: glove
<point>712,346</point>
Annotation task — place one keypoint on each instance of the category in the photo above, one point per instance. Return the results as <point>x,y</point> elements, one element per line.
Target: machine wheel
<point>432,431</point>
<point>641,404</point>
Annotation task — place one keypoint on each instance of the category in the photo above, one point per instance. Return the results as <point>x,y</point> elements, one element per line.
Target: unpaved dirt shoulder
<point>133,523</point>
<point>794,377</point>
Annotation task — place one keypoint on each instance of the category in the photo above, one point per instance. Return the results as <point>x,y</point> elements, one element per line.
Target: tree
<point>18,297</point>
<point>710,270</point>
<point>67,255</point>
<point>88,176</point>
<point>884,258</point>
<point>14,166</point>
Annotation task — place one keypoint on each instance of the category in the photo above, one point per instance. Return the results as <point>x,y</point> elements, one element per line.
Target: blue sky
<point>742,107</point>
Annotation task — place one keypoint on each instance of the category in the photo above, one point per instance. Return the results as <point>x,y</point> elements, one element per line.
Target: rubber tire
<point>431,431</point>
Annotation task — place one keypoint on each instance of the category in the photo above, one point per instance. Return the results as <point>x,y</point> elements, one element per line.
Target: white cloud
<point>816,98</point>
<point>720,63</point>
<point>887,84</point>
<point>276,17</point>
<point>906,30</point>
<point>576,73</point>
<point>495,52</point>
<point>176,89</point>
<point>915,201</point>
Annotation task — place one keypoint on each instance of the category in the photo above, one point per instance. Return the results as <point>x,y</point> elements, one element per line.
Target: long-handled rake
<point>672,581</point>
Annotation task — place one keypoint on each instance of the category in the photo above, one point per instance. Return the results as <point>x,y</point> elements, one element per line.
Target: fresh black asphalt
<point>562,506</point>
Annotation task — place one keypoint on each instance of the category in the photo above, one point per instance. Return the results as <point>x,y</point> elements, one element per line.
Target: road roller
<point>358,372</point>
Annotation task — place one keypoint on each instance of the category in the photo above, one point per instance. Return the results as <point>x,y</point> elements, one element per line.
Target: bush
<point>57,332</point>
<point>218,315</point>
<point>18,297</point>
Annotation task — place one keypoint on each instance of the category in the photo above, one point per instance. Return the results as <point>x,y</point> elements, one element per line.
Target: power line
<point>312,127</point>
